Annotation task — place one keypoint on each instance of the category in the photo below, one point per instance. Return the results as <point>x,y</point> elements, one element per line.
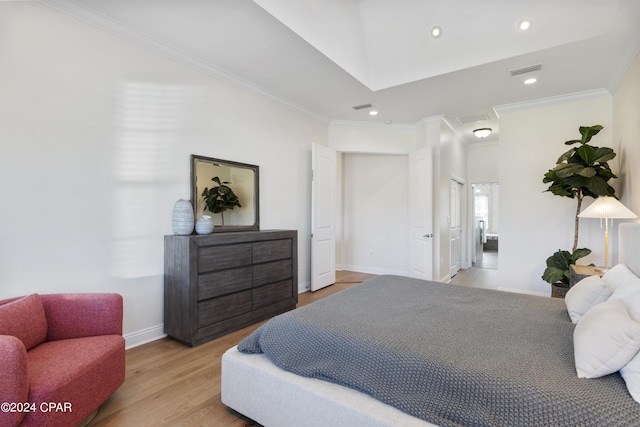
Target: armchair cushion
<point>24,318</point>
<point>87,370</point>
<point>14,381</point>
<point>82,315</point>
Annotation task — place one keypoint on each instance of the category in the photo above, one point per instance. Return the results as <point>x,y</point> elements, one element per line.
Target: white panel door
<point>323,193</point>
<point>456,227</point>
<point>421,214</point>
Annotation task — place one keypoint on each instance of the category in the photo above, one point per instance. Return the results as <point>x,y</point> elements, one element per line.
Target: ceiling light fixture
<point>436,32</point>
<point>482,132</point>
<point>373,113</point>
<point>525,25</point>
<point>530,81</point>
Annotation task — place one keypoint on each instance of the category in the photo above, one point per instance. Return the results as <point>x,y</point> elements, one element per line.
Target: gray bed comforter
<point>450,355</point>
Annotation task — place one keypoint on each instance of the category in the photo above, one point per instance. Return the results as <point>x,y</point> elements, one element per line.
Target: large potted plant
<point>579,172</point>
<point>220,198</point>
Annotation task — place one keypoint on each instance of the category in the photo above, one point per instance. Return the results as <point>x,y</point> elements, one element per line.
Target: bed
<point>430,354</point>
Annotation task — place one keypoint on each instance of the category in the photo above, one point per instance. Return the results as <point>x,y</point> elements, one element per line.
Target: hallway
<point>476,277</point>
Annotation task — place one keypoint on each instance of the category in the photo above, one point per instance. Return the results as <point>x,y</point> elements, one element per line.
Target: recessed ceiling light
<point>530,81</point>
<point>525,24</point>
<point>436,32</point>
<point>373,113</point>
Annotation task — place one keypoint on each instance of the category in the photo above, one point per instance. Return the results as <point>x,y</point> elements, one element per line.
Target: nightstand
<point>579,272</point>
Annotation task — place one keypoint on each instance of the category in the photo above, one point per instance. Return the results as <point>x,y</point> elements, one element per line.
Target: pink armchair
<point>61,357</point>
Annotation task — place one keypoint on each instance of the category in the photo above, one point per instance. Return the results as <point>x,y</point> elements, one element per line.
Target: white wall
<point>626,111</point>
<point>626,136</point>
<point>375,213</point>
<point>533,223</point>
<point>95,136</point>
<point>483,160</point>
<point>356,137</point>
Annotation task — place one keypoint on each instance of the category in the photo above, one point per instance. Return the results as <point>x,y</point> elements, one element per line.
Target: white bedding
<point>282,399</point>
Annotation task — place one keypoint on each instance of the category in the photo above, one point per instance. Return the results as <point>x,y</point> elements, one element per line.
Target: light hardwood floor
<point>169,384</point>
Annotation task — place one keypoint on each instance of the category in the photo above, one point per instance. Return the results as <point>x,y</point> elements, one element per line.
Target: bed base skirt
<point>259,390</point>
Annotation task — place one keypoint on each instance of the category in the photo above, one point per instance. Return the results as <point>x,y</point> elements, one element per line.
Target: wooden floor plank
<point>169,384</point>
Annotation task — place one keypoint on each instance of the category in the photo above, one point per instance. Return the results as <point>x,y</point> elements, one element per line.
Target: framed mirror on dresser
<point>241,213</point>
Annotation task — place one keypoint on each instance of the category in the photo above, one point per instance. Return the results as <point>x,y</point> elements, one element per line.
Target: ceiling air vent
<point>525,70</point>
<point>362,106</point>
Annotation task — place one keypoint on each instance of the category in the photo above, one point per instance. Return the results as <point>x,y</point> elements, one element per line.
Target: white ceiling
<point>326,56</point>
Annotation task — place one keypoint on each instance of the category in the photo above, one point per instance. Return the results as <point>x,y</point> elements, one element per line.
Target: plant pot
<point>558,290</point>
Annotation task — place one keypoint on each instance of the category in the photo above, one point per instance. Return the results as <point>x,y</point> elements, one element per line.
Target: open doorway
<point>485,225</point>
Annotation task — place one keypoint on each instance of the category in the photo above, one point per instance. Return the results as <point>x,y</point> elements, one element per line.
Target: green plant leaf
<point>603,155</point>
<point>599,186</point>
<point>586,154</point>
<point>573,141</point>
<point>557,270</point>
<point>588,132</point>
<point>569,169</point>
<point>555,275</point>
<point>566,156</point>
<point>579,253</point>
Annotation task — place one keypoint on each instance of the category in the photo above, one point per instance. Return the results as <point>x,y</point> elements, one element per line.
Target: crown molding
<point>146,41</point>
<point>550,100</point>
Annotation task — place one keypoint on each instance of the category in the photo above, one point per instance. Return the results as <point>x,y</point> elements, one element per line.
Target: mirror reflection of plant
<point>220,198</point>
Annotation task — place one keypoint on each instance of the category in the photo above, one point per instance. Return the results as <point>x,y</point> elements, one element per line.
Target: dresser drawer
<point>271,250</point>
<point>269,294</point>
<point>224,282</point>
<point>218,309</point>
<point>272,272</point>
<point>212,258</point>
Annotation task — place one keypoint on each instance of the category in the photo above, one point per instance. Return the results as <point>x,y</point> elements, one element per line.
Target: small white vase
<point>182,220</point>
<point>204,225</point>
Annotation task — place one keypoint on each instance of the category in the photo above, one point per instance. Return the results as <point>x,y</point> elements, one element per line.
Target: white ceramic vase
<point>204,225</point>
<point>182,220</point>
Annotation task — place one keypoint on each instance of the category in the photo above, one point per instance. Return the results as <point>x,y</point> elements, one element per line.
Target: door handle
<point>428,235</point>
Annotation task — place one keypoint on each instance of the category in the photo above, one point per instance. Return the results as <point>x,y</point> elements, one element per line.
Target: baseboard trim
<point>372,270</point>
<point>303,287</point>
<point>144,336</point>
<point>520,291</point>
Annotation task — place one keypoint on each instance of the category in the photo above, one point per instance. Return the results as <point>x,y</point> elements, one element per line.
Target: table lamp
<point>607,208</point>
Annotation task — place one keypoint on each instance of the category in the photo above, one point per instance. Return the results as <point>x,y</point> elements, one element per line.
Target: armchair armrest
<point>14,378</point>
<point>82,315</point>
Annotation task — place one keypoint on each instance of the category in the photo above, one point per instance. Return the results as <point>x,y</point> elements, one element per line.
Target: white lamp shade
<point>607,207</point>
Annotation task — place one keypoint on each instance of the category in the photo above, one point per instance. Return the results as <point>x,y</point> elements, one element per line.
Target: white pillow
<point>585,294</point>
<point>631,375</point>
<point>605,339</point>
<point>622,281</point>
<point>631,371</point>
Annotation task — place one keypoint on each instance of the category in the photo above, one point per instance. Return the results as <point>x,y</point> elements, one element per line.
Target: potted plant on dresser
<point>582,171</point>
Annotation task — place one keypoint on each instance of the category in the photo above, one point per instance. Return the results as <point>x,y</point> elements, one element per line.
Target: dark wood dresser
<point>217,283</point>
